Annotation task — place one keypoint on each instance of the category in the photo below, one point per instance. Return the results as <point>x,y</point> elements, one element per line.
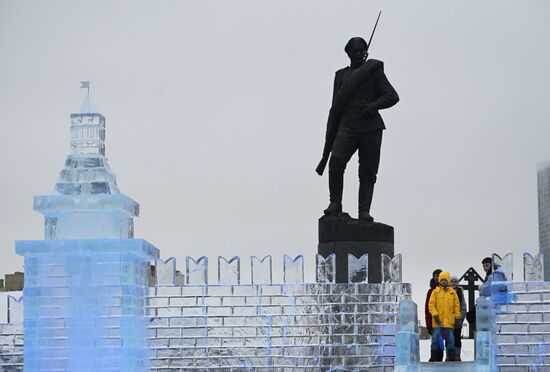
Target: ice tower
<point>85,284</point>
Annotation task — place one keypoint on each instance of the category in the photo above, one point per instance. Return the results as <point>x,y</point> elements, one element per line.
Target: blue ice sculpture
<point>407,341</point>
<point>85,284</point>
<point>484,329</point>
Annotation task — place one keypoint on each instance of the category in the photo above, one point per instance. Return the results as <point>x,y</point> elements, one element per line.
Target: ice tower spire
<point>87,280</point>
<point>86,201</point>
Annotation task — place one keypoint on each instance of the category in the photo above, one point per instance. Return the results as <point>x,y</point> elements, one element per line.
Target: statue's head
<point>356,49</point>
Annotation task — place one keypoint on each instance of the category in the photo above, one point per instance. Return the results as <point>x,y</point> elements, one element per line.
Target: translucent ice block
<point>407,350</point>
<point>504,265</point>
<point>533,267</point>
<point>15,309</point>
<point>358,268</point>
<point>293,269</point>
<point>261,270</point>
<point>391,268</point>
<point>84,303</point>
<point>87,133</point>
<point>325,268</point>
<point>165,271</point>
<point>407,316</point>
<point>229,272</point>
<point>196,272</point>
<point>87,216</point>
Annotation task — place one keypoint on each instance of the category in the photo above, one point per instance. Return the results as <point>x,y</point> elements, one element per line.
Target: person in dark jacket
<point>458,325</point>
<point>361,90</point>
<point>433,285</point>
<point>485,288</point>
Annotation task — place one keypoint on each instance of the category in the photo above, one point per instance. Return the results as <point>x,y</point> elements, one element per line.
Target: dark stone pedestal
<point>344,235</point>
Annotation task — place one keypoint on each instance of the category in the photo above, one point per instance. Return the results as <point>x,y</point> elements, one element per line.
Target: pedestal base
<point>343,235</point>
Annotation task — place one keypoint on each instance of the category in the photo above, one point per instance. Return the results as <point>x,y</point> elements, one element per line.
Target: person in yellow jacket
<point>445,309</point>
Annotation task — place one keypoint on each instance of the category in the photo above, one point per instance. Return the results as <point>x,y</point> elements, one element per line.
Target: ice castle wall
<point>521,328</point>
<point>294,327</point>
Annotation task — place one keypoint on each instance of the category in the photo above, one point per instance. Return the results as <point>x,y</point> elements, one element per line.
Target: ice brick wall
<point>11,347</point>
<point>286,327</point>
<point>521,338</point>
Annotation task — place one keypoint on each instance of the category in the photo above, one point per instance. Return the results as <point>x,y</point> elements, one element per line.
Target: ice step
<point>448,366</point>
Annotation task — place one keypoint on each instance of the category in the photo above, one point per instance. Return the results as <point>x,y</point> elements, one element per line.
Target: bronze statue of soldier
<point>361,90</point>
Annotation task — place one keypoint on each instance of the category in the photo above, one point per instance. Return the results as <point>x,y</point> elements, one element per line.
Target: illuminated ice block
<point>86,283</point>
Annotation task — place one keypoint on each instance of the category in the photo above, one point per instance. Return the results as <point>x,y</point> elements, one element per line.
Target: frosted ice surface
<point>196,272</point>
<point>166,271</point>
<point>391,268</point>
<point>504,265</point>
<point>407,316</point>
<point>483,347</point>
<point>293,269</point>
<point>358,268</point>
<point>15,309</point>
<point>483,314</point>
<point>407,348</point>
<point>533,267</point>
<point>261,270</point>
<point>229,272</point>
<point>325,269</point>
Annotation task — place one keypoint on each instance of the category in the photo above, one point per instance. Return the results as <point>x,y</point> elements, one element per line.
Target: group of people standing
<point>445,310</point>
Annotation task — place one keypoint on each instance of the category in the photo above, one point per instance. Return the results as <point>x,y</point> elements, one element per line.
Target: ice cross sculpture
<point>533,267</point>
<point>293,269</point>
<point>358,268</point>
<point>503,267</point>
<point>229,272</point>
<point>196,272</point>
<point>261,270</point>
<point>391,268</point>
<point>325,268</point>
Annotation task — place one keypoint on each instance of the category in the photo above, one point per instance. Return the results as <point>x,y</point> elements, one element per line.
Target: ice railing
<point>261,270</point>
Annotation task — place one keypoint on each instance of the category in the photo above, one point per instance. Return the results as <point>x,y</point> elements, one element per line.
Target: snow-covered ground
<point>467,353</point>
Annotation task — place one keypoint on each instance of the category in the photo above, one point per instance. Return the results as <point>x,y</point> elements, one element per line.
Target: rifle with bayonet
<point>333,123</point>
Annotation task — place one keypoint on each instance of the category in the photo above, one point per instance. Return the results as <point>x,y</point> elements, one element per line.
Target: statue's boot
<point>335,186</point>
<point>366,189</point>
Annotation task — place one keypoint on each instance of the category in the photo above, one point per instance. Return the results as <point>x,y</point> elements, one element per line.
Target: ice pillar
<point>85,284</point>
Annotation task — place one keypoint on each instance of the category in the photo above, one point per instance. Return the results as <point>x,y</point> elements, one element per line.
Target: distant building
<point>12,282</point>
<point>543,181</point>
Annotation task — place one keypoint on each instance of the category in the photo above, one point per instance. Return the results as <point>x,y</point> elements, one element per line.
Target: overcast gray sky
<point>216,114</point>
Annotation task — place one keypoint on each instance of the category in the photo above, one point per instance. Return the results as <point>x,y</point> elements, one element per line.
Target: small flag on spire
<point>85,84</point>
